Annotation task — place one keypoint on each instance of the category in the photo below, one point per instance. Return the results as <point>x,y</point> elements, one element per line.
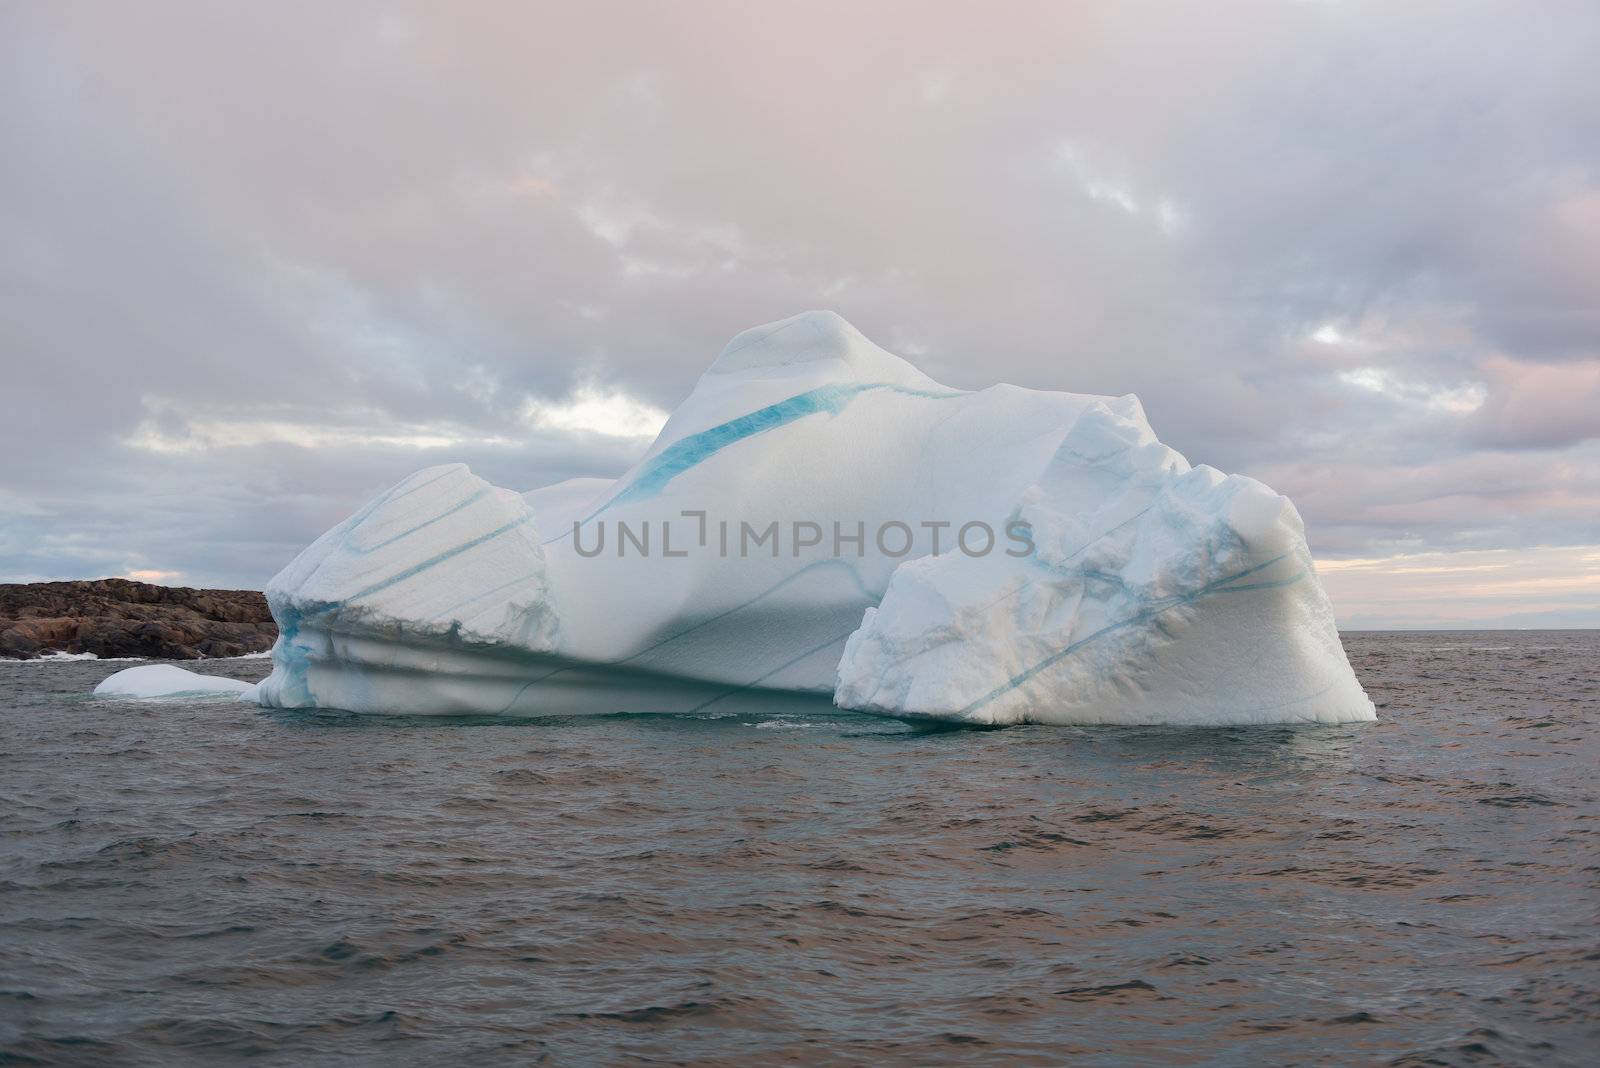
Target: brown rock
<point>120,617</point>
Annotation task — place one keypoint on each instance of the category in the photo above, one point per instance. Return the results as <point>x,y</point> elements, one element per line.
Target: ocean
<point>206,881</point>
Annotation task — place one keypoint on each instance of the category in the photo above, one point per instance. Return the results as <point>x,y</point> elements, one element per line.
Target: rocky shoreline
<point>121,618</point>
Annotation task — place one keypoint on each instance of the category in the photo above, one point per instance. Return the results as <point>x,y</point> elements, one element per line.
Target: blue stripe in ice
<point>694,449</point>
<point>690,451</point>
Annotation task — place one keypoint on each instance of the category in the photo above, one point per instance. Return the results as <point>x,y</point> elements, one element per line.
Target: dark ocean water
<point>205,881</point>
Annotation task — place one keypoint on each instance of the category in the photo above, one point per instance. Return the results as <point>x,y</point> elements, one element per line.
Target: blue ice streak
<point>695,449</point>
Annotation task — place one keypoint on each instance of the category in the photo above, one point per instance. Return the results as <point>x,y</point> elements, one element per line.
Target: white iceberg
<point>167,681</point>
<point>819,517</point>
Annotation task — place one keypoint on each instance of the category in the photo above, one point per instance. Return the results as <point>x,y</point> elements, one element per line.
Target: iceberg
<point>821,518</point>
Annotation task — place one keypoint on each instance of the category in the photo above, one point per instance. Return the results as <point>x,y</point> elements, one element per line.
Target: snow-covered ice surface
<point>1157,592</point>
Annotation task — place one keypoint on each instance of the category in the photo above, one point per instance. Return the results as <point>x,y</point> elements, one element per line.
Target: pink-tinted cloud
<point>1540,405</point>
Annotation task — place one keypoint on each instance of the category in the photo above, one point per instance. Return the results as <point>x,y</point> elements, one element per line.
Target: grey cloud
<point>1540,406</point>
<point>369,216</point>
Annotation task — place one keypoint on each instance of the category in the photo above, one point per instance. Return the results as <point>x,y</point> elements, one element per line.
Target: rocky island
<point>116,617</point>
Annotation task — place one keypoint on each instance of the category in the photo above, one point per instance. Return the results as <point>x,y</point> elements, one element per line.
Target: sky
<point>260,261</point>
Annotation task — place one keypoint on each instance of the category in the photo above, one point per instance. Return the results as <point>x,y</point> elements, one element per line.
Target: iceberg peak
<point>815,341</point>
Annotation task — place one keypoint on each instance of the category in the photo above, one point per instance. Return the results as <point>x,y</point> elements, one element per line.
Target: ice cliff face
<point>1158,593</point>
<point>812,520</point>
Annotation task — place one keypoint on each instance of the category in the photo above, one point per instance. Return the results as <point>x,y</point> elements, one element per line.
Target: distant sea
<point>202,882</point>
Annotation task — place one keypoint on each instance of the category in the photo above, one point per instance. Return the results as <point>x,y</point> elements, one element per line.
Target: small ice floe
<point>165,680</point>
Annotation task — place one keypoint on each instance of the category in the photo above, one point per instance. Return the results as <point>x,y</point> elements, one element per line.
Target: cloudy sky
<point>259,261</point>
